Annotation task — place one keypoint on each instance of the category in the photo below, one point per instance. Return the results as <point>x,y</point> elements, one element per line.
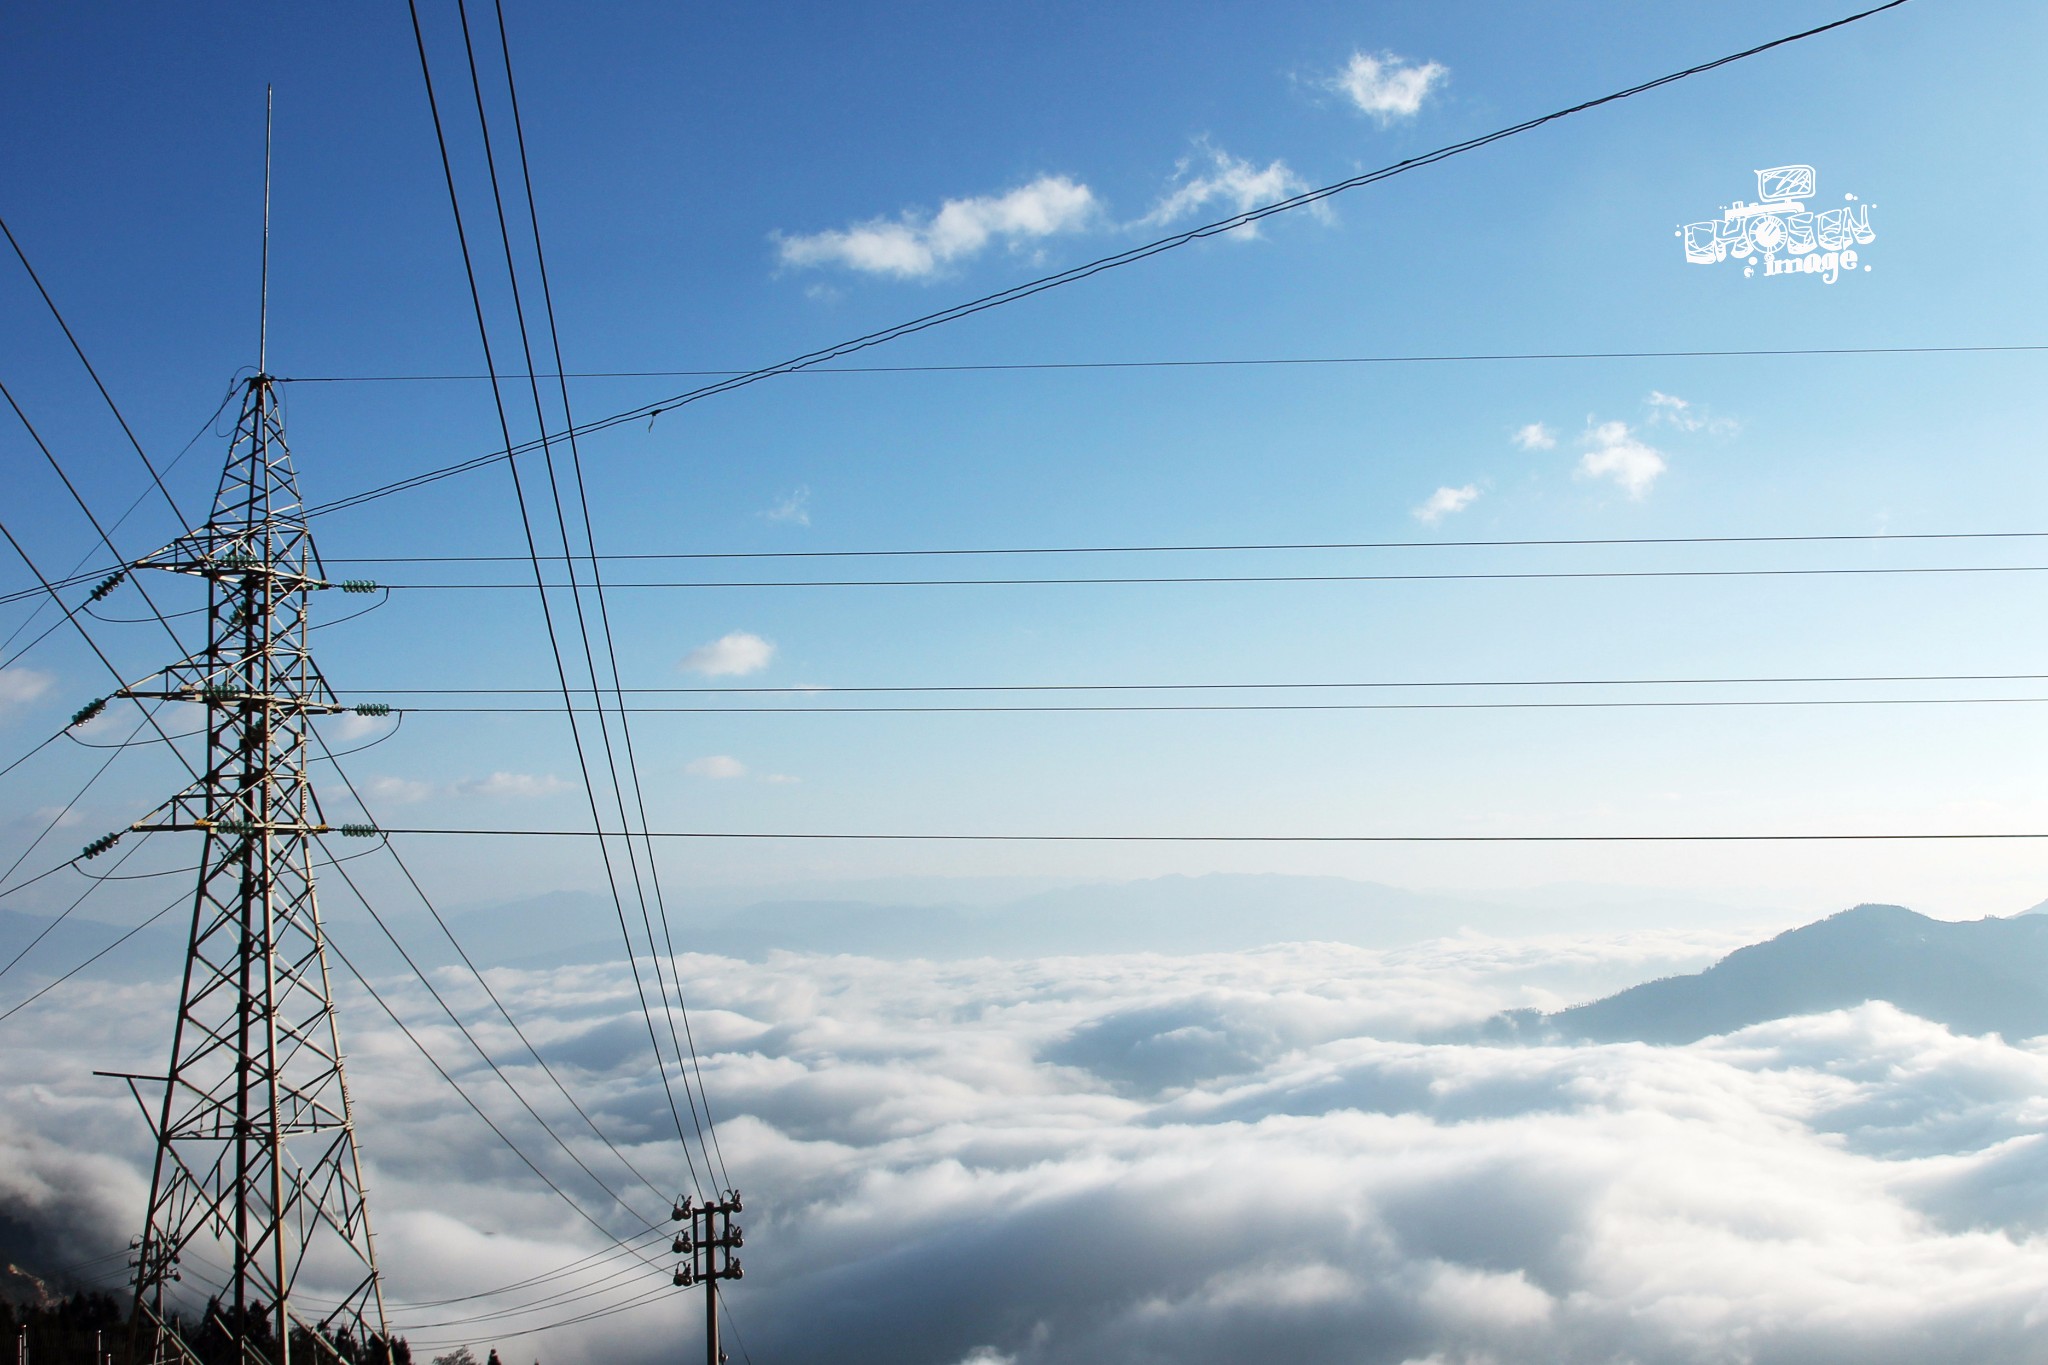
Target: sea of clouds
<point>1143,1157</point>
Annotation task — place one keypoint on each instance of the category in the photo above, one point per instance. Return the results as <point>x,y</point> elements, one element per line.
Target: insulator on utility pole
<point>709,1243</point>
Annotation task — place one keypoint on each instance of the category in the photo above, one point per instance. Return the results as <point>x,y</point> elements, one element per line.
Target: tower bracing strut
<point>257,1247</point>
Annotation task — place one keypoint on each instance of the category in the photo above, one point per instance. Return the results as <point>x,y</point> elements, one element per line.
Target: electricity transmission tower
<point>256,1161</point>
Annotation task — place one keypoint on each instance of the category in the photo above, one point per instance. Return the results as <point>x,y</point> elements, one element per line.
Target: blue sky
<point>692,167</point>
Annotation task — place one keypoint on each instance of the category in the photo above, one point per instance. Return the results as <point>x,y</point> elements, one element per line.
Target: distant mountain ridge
<point>1214,912</point>
<point>1976,976</point>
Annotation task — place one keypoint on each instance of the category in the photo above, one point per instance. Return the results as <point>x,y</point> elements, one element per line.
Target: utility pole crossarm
<point>709,1242</point>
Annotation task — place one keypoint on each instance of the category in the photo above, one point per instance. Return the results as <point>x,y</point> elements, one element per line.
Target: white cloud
<point>410,791</point>
<point>915,246</point>
<point>1535,436</point>
<point>18,685</point>
<point>401,790</point>
<point>349,727</point>
<point>729,656</point>
<point>1446,501</point>
<point>1670,406</point>
<point>794,507</point>
<point>1667,407</point>
<point>1670,410</point>
<point>1213,177</point>
<point>716,766</point>
<point>520,785</point>
<point>1614,452</point>
<point>1386,86</point>
<point>1166,1157</point>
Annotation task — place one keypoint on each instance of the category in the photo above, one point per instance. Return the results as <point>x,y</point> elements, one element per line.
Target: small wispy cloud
<point>1211,178</point>
<point>917,246</point>
<point>729,656</point>
<point>793,507</point>
<point>1671,409</point>
<point>517,785</point>
<point>350,727</point>
<point>1668,409</point>
<point>1444,502</point>
<point>721,767</point>
<point>779,779</point>
<point>406,791</point>
<point>1535,436</point>
<point>1615,452</point>
<point>1388,87</point>
<point>18,685</point>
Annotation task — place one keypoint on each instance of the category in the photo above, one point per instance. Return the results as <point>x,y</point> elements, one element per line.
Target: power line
<point>1249,838</point>
<point>492,1062</point>
<point>1230,686</point>
<point>1130,580</point>
<point>1229,363</point>
<point>1241,547</point>
<point>39,748</point>
<point>79,350</point>
<point>475,1108</point>
<point>93,645</point>
<point>1080,272</point>
<point>476,972</point>
<point>53,985</point>
<point>105,538</point>
<point>651,1296</point>
<point>576,1266</point>
<point>610,1281</point>
<point>504,424</point>
<point>603,611</point>
<point>1127,707</point>
<point>68,806</point>
<point>65,913</point>
<point>40,876</point>
<point>76,578</point>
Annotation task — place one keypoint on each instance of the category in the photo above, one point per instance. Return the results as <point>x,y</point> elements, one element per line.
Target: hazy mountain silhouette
<point>1978,976</point>
<point>1217,912</point>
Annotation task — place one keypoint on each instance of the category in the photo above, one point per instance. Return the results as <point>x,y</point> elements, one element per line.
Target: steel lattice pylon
<point>256,1160</point>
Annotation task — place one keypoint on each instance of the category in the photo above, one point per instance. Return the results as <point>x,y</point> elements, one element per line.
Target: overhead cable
<point>822,690</point>
<point>1220,549</point>
<point>1097,708</point>
<point>81,577</point>
<point>504,424</point>
<point>1129,580</point>
<point>474,1107</point>
<point>79,351</point>
<point>1098,266</point>
<point>448,932</point>
<point>93,645</point>
<point>1225,363</point>
<point>53,985</point>
<point>877,837</point>
<point>604,619</point>
<point>105,537</point>
<point>76,577</point>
